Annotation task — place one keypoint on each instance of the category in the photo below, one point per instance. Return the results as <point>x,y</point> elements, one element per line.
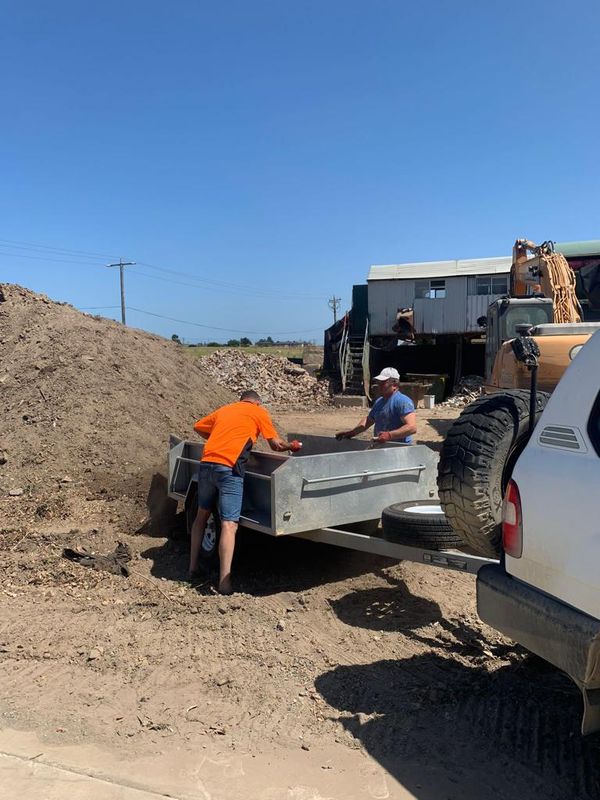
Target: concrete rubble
<point>469,388</point>
<point>277,380</point>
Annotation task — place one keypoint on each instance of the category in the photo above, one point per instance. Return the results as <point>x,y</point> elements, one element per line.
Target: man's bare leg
<point>197,531</point>
<point>226,548</point>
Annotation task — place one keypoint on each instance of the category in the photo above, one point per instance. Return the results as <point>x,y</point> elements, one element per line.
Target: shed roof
<point>591,247</point>
<point>471,266</point>
<point>440,269</point>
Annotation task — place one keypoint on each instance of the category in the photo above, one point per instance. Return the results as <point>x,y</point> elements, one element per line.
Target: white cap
<point>387,373</point>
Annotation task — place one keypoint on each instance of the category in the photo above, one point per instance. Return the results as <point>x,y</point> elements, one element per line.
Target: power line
<point>45,258</point>
<point>214,328</point>
<point>222,289</point>
<point>202,284</point>
<point>233,287</point>
<point>29,246</point>
<point>287,292</point>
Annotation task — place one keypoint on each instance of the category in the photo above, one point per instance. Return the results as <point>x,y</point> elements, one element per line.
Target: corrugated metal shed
<point>578,249</point>
<point>440,269</point>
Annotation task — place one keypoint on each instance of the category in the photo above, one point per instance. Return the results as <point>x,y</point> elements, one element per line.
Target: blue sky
<point>269,152</point>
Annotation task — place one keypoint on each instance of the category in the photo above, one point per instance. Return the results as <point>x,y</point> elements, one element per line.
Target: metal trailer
<point>331,492</point>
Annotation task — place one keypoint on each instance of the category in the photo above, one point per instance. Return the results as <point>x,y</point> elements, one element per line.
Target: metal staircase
<point>354,363</point>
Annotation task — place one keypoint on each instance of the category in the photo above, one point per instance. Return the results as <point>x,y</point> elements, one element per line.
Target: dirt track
<point>323,655</point>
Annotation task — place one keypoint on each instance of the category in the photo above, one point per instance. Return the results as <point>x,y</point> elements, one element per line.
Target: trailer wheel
<point>476,462</point>
<point>209,546</point>
<point>418,524</point>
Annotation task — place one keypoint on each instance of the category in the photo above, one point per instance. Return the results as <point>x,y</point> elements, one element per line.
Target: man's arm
<point>205,425</point>
<point>407,429</point>
<point>363,425</point>
<point>267,429</point>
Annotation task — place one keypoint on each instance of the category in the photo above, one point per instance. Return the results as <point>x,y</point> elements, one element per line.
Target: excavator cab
<point>504,316</point>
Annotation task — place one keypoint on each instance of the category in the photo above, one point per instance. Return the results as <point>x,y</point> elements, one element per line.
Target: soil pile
<point>277,380</point>
<point>87,403</point>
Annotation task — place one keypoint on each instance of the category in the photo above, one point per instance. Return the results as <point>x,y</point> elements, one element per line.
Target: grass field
<point>284,352</point>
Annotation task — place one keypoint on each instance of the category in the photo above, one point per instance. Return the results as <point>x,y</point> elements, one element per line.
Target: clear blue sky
<point>285,147</point>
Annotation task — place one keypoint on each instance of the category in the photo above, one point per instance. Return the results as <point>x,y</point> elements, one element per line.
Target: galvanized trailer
<point>331,492</point>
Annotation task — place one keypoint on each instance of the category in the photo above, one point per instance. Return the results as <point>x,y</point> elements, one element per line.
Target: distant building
<point>422,318</point>
<point>447,297</point>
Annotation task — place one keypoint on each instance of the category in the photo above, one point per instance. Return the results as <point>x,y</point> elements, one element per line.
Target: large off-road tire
<point>419,524</point>
<point>476,462</point>
<point>209,546</point>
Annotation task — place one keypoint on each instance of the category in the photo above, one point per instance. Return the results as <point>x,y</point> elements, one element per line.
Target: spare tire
<point>476,462</point>
<point>419,523</point>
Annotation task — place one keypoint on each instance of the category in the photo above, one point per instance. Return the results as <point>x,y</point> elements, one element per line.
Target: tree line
<point>244,342</point>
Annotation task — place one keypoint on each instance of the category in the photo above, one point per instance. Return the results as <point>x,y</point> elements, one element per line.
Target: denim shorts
<point>217,487</point>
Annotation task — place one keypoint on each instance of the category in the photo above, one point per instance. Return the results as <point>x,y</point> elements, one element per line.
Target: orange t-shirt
<point>232,431</point>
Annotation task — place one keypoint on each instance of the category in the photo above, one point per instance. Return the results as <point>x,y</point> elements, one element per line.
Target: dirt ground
<point>329,674</point>
<point>320,648</point>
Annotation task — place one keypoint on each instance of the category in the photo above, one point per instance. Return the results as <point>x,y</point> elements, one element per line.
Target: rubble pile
<point>277,380</point>
<point>469,388</point>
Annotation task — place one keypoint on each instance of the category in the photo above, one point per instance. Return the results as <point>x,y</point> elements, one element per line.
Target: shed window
<point>434,290</point>
<point>488,284</point>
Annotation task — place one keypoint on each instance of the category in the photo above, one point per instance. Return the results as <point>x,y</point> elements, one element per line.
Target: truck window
<point>594,425</point>
<point>529,315</point>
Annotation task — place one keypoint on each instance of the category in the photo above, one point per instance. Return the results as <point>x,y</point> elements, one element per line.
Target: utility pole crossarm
<point>122,264</point>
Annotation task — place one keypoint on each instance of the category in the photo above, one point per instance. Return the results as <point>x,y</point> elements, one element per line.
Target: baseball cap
<point>387,374</point>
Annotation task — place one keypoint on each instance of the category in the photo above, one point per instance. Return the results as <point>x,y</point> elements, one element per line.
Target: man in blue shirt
<point>393,413</point>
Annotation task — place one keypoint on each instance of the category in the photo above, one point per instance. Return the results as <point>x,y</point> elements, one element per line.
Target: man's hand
<point>343,435</point>
<point>281,446</point>
<point>384,436</point>
<point>278,445</point>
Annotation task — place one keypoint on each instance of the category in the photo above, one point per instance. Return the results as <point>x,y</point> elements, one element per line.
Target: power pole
<point>334,304</point>
<point>122,264</point>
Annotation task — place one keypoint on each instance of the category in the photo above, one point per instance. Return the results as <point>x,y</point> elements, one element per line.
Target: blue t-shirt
<point>389,414</point>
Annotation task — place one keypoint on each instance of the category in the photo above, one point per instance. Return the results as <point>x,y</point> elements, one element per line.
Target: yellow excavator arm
<point>548,273</point>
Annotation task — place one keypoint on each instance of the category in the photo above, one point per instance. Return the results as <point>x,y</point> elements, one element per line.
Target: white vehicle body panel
<point>558,476</point>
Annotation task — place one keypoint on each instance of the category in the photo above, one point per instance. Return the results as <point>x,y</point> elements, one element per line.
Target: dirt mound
<point>276,379</point>
<point>88,403</point>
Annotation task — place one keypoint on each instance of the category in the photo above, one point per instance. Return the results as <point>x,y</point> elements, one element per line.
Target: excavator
<point>552,309</point>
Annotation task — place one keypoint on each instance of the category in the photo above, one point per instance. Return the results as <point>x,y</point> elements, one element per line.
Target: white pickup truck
<point>545,592</point>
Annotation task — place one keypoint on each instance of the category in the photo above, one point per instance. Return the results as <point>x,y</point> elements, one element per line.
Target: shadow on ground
<point>396,609</point>
<point>449,730</point>
<point>441,426</point>
<point>391,608</point>
<point>161,509</point>
<point>266,565</point>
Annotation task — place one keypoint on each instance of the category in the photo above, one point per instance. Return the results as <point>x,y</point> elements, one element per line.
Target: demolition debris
<point>277,380</point>
<point>469,388</point>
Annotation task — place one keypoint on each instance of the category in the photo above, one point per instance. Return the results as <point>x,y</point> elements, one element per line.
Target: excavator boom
<point>548,273</point>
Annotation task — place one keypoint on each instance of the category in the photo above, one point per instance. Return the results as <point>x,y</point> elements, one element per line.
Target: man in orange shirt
<point>230,432</point>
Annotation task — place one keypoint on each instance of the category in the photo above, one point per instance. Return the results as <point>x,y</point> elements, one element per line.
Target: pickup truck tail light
<point>512,522</point>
